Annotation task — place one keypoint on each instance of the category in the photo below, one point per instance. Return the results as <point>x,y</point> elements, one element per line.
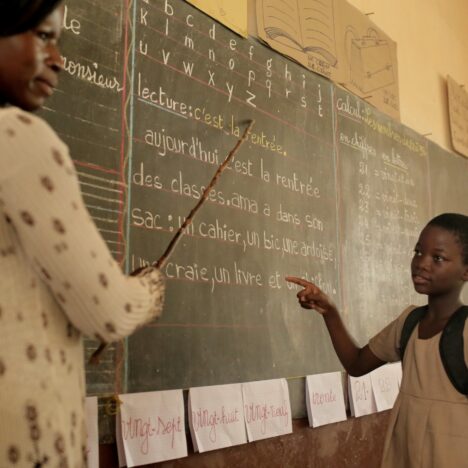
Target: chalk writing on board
<point>358,110</point>
<point>71,23</point>
<point>380,162</point>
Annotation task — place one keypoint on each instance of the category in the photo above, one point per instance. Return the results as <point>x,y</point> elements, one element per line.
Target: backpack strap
<point>412,319</point>
<point>452,350</point>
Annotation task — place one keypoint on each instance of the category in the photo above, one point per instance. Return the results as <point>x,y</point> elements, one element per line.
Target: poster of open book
<point>301,29</point>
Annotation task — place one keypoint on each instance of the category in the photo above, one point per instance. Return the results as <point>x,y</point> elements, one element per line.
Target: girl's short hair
<point>18,16</point>
<point>457,224</point>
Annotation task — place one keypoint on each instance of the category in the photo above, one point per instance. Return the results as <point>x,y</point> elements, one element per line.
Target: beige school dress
<point>57,282</point>
<point>429,423</point>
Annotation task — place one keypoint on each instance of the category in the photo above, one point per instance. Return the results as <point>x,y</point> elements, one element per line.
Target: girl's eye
<point>417,252</point>
<point>438,258</point>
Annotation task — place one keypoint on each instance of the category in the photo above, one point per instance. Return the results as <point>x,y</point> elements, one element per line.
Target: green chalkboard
<point>448,179</point>
<point>449,184</point>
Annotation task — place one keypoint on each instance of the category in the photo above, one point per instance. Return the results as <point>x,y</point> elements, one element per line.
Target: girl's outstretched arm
<point>357,361</point>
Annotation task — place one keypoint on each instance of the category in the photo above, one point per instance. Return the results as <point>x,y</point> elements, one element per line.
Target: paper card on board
<point>361,396</point>
<point>368,63</point>
<point>458,115</point>
<point>231,14</point>
<point>385,386</point>
<point>216,417</point>
<point>325,399</point>
<point>92,442</point>
<point>267,409</point>
<point>153,427</point>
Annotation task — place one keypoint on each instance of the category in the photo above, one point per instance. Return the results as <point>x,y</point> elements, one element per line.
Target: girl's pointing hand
<point>311,297</point>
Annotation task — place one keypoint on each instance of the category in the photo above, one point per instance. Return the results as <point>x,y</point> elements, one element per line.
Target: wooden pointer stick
<point>94,359</point>
<point>162,260</point>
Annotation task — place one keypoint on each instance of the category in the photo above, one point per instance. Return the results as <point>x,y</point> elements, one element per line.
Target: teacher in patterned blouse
<point>58,280</point>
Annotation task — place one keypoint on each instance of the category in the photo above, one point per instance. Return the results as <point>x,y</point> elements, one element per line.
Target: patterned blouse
<point>58,281</point>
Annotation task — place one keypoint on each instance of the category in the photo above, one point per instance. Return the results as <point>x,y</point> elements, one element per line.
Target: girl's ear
<point>465,274</point>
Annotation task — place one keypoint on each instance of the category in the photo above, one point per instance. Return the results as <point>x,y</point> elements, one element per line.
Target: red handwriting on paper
<point>322,398</point>
<point>261,413</point>
<point>144,429</point>
<point>203,418</point>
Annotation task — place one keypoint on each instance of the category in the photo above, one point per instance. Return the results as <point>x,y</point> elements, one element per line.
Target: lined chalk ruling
<point>87,111</point>
<point>188,220</point>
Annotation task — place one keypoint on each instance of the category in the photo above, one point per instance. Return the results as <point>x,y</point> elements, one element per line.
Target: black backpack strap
<point>411,321</point>
<point>452,350</point>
